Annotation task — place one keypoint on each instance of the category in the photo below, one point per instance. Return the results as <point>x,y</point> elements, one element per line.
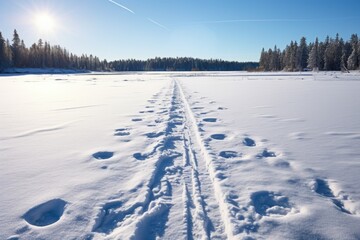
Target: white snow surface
<point>172,155</point>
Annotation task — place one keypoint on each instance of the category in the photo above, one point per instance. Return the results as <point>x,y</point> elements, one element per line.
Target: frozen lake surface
<point>194,155</point>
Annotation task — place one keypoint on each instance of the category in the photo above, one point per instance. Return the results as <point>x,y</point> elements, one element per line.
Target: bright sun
<point>44,22</point>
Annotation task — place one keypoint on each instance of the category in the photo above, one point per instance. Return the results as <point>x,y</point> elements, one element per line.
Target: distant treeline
<point>15,54</point>
<point>329,55</point>
<point>43,55</point>
<point>181,64</point>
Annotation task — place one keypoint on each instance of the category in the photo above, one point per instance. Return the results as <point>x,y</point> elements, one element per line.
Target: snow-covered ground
<point>195,155</point>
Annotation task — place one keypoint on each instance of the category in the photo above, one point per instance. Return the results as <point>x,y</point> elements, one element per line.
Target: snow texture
<point>193,155</point>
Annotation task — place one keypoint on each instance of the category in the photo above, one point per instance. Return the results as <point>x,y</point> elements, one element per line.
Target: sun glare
<point>44,22</point>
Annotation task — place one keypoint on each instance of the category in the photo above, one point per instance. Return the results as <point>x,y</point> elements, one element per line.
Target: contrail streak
<point>276,20</point>
<point>122,6</point>
<point>158,24</point>
<point>255,20</point>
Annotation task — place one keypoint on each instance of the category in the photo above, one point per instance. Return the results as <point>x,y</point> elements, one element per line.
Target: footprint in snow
<point>266,154</point>
<point>140,156</point>
<point>121,129</point>
<point>220,176</point>
<point>322,187</point>
<point>46,213</point>
<point>121,132</point>
<point>103,155</point>
<point>136,119</point>
<point>249,142</point>
<point>204,113</point>
<point>154,134</point>
<point>228,154</point>
<point>109,217</point>
<point>218,136</point>
<point>270,203</point>
<point>210,120</point>
<point>281,164</point>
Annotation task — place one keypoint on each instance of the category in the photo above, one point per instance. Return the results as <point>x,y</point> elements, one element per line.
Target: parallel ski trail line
<point>194,201</point>
<point>226,216</point>
<point>198,219</point>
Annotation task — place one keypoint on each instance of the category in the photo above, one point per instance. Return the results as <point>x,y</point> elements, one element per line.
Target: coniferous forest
<point>15,54</point>
<point>181,64</point>
<point>332,54</point>
<point>44,55</point>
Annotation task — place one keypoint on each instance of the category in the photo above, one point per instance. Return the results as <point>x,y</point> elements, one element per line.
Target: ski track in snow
<point>179,173</point>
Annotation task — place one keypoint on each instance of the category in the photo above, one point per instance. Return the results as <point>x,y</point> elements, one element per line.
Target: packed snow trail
<point>206,161</point>
<point>181,181</point>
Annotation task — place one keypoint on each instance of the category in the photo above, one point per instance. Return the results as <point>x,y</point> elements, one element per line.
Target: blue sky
<point>226,29</point>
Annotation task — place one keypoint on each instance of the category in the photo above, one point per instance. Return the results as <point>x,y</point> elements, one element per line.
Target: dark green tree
<point>302,54</point>
<point>314,58</point>
<point>16,49</point>
<point>2,52</point>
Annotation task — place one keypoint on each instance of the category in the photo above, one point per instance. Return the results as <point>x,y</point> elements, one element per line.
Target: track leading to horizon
<point>182,181</point>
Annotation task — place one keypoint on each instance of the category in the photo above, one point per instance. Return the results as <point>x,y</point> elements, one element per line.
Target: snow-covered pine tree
<point>302,54</point>
<point>293,56</point>
<point>314,58</point>
<point>353,59</point>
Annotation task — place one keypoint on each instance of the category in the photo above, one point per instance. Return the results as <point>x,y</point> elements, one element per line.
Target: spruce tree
<point>302,54</point>
<point>16,51</point>
<point>24,54</point>
<point>293,56</point>
<point>339,45</point>
<point>314,61</point>
<point>275,63</point>
<point>2,52</point>
<point>9,55</point>
<point>262,61</point>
